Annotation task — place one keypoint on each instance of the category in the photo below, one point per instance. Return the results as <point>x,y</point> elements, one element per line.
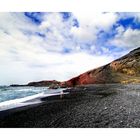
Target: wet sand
<point>98,106</point>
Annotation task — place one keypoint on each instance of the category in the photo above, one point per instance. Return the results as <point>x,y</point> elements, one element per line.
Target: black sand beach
<point>98,106</point>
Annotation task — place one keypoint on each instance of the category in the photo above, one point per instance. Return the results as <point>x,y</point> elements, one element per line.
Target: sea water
<point>12,97</point>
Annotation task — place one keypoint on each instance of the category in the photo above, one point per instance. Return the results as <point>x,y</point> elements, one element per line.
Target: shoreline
<point>67,94</point>
<point>28,100</point>
<point>98,106</point>
<point>46,101</point>
<point>30,103</point>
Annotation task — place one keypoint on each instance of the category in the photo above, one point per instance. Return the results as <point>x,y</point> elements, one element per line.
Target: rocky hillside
<point>44,83</point>
<point>123,70</point>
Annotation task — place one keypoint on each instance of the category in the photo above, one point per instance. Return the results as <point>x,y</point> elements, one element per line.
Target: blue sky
<point>46,46</point>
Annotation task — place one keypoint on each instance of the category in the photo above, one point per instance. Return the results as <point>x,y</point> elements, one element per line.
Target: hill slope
<point>44,83</point>
<point>123,70</point>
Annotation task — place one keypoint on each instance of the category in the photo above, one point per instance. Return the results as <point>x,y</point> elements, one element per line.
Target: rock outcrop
<point>52,83</point>
<point>123,70</point>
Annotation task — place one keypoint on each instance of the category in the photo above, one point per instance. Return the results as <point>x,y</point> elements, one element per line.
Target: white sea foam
<point>34,99</point>
<point>25,89</point>
<point>28,100</point>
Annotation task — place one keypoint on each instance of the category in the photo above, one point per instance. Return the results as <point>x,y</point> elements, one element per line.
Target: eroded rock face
<point>123,70</point>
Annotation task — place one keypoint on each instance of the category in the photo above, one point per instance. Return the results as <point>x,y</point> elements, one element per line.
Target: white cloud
<point>129,38</point>
<point>104,20</point>
<point>82,34</point>
<point>58,32</point>
<point>91,24</point>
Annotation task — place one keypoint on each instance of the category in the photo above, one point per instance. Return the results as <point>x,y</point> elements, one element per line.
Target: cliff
<point>123,70</point>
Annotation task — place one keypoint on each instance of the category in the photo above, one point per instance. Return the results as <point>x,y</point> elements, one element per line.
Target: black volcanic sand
<point>97,106</point>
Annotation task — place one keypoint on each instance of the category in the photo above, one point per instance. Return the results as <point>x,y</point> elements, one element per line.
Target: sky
<point>58,46</point>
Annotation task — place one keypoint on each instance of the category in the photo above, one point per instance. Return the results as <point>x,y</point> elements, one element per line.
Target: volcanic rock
<point>123,70</point>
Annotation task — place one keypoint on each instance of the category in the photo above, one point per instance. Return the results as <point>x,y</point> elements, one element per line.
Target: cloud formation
<point>126,38</point>
<point>39,46</point>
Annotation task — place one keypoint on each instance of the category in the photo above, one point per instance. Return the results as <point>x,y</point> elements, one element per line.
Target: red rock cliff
<point>123,70</point>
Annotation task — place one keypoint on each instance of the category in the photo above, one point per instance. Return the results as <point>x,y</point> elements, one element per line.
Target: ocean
<point>13,97</point>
